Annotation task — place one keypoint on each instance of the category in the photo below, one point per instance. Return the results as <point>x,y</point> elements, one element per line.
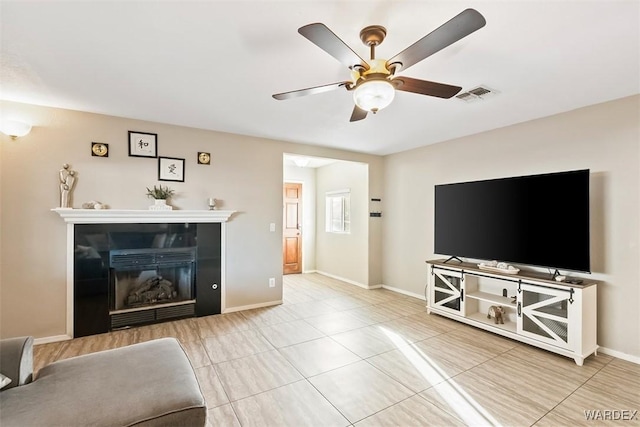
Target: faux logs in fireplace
<point>154,290</point>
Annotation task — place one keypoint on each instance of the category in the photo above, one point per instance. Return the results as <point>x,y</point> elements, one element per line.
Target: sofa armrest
<point>16,360</point>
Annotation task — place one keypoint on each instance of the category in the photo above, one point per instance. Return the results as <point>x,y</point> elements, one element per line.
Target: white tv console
<point>558,317</point>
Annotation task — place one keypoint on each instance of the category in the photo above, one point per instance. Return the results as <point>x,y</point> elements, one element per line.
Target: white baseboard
<point>309,271</point>
<point>252,306</point>
<point>55,338</point>
<point>403,292</point>
<point>349,281</point>
<point>620,355</point>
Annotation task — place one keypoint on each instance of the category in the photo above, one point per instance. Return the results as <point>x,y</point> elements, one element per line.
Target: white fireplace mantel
<point>107,216</point>
<point>129,216</point>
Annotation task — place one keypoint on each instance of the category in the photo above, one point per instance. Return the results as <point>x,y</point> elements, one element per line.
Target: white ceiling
<point>215,64</point>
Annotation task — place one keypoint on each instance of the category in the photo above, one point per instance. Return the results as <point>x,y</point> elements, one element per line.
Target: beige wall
<point>246,174</point>
<point>604,138</point>
<point>344,255</point>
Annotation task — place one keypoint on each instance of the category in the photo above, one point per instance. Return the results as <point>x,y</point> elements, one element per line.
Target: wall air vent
<point>475,94</point>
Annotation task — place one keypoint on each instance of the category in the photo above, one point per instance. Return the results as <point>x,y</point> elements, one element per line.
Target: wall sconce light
<point>14,128</point>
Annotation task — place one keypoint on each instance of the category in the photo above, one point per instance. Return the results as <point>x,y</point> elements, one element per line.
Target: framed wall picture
<point>170,169</point>
<point>143,144</point>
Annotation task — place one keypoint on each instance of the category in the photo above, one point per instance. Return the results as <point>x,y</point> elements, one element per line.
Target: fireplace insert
<point>144,283</point>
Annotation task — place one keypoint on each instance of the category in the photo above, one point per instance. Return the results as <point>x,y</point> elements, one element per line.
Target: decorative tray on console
<point>508,270</point>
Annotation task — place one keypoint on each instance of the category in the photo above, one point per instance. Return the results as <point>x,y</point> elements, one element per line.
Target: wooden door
<point>291,229</point>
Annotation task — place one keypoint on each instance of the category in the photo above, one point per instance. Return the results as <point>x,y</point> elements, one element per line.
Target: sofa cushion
<point>16,361</point>
<point>4,381</point>
<point>150,384</point>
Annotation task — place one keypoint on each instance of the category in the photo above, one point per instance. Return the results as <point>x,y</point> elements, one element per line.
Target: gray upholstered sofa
<point>146,384</point>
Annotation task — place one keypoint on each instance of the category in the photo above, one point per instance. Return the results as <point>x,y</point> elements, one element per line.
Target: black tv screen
<point>539,220</point>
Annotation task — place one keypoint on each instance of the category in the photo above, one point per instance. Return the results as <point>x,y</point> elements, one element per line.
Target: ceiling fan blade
<point>459,26</point>
<point>424,87</point>
<point>310,91</point>
<point>358,114</point>
<point>326,40</point>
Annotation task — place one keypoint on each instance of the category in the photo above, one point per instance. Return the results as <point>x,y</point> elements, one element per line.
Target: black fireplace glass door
<point>91,280</point>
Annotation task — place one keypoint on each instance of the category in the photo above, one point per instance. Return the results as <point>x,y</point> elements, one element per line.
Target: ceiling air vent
<point>479,91</point>
<point>464,96</point>
<point>475,94</point>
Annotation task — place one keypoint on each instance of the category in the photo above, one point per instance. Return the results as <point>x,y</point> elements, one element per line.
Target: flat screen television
<point>538,220</point>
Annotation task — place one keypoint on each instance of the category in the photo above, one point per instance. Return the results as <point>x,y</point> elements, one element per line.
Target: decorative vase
<point>160,205</point>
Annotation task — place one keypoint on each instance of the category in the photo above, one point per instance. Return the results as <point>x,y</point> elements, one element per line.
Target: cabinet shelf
<point>492,298</point>
<point>482,318</point>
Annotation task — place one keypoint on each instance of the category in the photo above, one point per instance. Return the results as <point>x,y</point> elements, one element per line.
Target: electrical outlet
<point>272,227</point>
<point>272,282</point>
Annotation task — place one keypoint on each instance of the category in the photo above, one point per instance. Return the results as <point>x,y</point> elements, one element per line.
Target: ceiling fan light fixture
<point>374,95</point>
<point>373,81</point>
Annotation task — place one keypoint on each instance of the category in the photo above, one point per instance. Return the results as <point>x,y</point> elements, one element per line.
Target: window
<point>338,218</point>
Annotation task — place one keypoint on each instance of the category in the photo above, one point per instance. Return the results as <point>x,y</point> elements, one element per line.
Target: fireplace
<point>145,283</point>
<point>127,275</point>
<point>88,247</point>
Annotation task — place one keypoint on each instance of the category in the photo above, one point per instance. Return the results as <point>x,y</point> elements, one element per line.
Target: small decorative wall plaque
<point>204,158</point>
<point>99,149</point>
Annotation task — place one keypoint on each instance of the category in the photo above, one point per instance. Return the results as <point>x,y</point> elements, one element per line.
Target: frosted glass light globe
<point>374,95</point>
<point>14,128</point>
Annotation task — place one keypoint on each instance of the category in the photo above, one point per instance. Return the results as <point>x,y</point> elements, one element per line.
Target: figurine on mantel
<point>67,182</point>
<point>94,204</point>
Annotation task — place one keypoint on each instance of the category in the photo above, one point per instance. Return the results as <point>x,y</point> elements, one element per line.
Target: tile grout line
<point>213,366</point>
<point>361,359</point>
<point>328,401</point>
<point>322,373</point>
<point>390,406</point>
<point>447,410</point>
<point>394,380</point>
<point>574,391</point>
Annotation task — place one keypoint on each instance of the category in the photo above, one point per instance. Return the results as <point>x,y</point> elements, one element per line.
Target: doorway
<point>292,228</point>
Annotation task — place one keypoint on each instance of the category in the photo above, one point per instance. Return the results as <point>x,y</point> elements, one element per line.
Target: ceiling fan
<point>374,82</point>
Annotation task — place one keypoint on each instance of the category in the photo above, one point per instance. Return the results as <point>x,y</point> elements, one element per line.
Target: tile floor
<point>334,354</point>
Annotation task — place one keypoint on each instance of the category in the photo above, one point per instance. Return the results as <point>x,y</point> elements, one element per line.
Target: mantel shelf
<point>106,216</point>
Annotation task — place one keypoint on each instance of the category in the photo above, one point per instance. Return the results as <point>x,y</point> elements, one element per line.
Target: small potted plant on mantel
<point>160,194</point>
